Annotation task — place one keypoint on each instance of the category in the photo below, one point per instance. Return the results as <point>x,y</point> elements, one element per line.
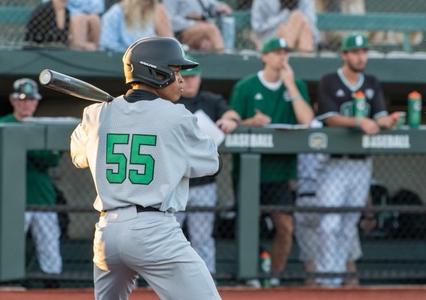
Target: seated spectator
<point>85,23</point>
<point>49,23</point>
<point>293,20</point>
<point>130,20</point>
<point>192,25</point>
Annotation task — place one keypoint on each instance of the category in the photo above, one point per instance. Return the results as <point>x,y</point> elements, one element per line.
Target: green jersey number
<point>136,158</point>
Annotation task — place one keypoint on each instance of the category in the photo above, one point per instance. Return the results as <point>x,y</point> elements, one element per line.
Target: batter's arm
<point>78,147</point>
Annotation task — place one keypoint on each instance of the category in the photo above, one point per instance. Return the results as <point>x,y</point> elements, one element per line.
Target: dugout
<point>398,74</point>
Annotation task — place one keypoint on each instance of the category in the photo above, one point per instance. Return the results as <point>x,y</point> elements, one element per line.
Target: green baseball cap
<point>191,72</point>
<point>274,44</point>
<point>354,41</point>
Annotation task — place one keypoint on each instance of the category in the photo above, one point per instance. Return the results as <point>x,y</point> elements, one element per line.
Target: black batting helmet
<point>148,61</point>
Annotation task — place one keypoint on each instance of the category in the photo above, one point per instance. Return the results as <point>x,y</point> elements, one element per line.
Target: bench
<point>374,21</point>
<point>12,23</point>
<point>377,21</point>
<point>15,15</point>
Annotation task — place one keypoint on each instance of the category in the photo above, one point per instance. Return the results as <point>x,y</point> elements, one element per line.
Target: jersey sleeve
<point>378,107</point>
<point>200,150</point>
<point>326,106</point>
<point>239,101</point>
<point>79,139</point>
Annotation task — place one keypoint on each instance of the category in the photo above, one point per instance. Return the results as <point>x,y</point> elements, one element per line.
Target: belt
<point>139,208</point>
<point>349,156</point>
<point>312,194</point>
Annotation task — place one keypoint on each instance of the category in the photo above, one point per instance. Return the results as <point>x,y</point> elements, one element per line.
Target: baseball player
<point>40,190</point>
<point>274,96</point>
<point>346,178</point>
<point>202,191</point>
<point>309,168</point>
<point>142,149</point>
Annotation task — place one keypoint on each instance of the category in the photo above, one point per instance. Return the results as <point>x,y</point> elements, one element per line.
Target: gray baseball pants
<point>152,245</point>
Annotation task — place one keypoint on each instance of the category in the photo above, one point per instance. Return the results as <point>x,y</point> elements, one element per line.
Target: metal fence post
<point>248,215</point>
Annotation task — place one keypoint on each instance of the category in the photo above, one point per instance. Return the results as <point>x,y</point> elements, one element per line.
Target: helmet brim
<point>185,63</point>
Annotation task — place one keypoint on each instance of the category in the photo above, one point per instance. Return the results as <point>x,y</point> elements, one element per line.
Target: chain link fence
<point>392,26</point>
<point>348,227</point>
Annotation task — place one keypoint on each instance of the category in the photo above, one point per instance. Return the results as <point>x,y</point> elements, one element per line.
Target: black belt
<point>349,156</point>
<point>312,194</point>
<point>140,208</point>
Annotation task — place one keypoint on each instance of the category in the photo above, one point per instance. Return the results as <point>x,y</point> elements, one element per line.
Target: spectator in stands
<point>192,22</point>
<point>203,191</point>
<point>85,23</point>
<point>293,20</point>
<point>346,179</point>
<point>49,23</point>
<point>40,190</point>
<point>129,20</point>
<point>273,95</point>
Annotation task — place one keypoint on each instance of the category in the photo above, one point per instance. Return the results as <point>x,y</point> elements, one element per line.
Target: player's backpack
<point>406,225</point>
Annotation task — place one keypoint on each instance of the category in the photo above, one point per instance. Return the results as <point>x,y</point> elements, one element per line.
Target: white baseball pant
<point>345,182</point>
<point>45,232</point>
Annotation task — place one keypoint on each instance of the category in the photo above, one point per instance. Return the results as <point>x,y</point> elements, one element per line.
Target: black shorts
<point>276,193</point>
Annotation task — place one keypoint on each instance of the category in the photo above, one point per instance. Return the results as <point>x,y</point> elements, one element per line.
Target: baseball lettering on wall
<point>259,140</point>
<point>386,141</point>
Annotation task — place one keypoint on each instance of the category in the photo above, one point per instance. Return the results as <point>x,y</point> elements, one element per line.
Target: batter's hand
<point>369,126</point>
<point>260,119</point>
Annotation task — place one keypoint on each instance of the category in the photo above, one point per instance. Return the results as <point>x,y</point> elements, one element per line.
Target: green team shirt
<point>251,94</point>
<point>40,188</point>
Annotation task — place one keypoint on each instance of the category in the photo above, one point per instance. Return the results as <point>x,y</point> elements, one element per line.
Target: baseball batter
<point>346,178</point>
<point>142,149</point>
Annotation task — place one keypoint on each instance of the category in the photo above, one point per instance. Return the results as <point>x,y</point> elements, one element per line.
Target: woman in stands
<point>129,20</point>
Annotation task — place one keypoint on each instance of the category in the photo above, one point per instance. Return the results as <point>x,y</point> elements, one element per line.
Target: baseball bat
<point>72,86</point>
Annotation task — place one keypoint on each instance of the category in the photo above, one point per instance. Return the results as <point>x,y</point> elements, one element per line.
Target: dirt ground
<point>364,293</point>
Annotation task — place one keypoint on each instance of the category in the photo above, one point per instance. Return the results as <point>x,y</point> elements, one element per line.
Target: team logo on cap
<point>359,40</point>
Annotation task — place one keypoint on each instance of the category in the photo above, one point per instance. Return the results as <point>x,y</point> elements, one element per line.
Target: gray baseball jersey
<point>147,163</point>
<point>142,150</point>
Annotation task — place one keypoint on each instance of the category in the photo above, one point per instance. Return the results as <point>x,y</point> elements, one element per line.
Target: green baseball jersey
<point>253,93</point>
<point>40,188</point>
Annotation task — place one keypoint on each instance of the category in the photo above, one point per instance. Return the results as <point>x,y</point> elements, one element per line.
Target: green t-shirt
<point>40,188</point>
<point>251,94</point>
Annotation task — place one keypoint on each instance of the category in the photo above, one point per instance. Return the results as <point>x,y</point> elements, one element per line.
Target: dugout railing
<point>391,147</point>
